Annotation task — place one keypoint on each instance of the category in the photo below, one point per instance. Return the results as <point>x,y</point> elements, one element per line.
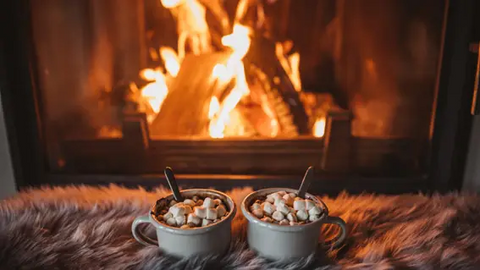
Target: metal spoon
<point>307,179</point>
<point>173,184</point>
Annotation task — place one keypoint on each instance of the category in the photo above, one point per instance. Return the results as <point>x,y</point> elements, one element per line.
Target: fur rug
<point>89,228</point>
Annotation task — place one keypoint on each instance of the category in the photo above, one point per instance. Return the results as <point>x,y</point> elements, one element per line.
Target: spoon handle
<point>173,184</point>
<point>307,179</point>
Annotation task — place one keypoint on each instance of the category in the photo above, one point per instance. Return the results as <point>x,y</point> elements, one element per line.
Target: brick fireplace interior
<point>245,92</point>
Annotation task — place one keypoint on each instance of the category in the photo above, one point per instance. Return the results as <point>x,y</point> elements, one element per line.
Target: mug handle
<point>340,238</point>
<point>139,235</point>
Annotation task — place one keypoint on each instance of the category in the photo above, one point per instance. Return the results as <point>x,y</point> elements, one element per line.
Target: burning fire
<point>319,127</point>
<point>291,65</point>
<point>171,3</point>
<point>239,41</point>
<point>170,58</point>
<point>225,116</point>
<point>192,25</point>
<point>214,108</point>
<point>221,72</point>
<point>156,91</point>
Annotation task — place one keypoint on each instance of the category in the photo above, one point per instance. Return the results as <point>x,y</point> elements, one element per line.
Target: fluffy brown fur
<point>89,228</point>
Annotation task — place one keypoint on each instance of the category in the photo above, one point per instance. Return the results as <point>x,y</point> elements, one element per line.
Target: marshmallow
<point>277,215</point>
<point>299,205</point>
<point>288,200</point>
<point>309,204</point>
<point>167,216</point>
<point>283,209</point>
<point>208,203</point>
<point>275,196</point>
<point>292,217</point>
<point>199,202</point>
<point>267,219</point>
<point>302,215</point>
<point>292,223</point>
<point>211,214</point>
<point>221,211</point>
<point>281,193</point>
<point>177,210</point>
<point>217,202</point>
<point>206,222</point>
<point>171,221</point>
<point>258,213</point>
<point>271,198</point>
<point>279,201</point>
<point>189,202</point>
<point>180,220</point>
<point>172,203</point>
<point>293,195</point>
<point>314,211</point>
<point>284,222</point>
<point>200,211</point>
<point>268,208</point>
<point>313,217</point>
<point>193,219</point>
<point>255,206</point>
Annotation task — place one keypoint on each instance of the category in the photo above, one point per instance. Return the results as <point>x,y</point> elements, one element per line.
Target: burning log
<point>185,109</point>
<point>288,107</point>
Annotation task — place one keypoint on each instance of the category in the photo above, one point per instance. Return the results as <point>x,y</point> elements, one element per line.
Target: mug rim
<point>196,230</point>
<point>299,227</point>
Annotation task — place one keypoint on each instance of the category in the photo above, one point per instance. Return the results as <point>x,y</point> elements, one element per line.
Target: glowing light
<point>319,128</point>
<point>149,74</point>
<point>221,72</point>
<point>170,58</point>
<point>213,108</point>
<point>240,42</point>
<point>155,92</point>
<point>290,65</point>
<point>171,3</point>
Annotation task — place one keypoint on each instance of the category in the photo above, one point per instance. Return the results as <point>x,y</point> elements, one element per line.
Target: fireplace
<point>376,96</point>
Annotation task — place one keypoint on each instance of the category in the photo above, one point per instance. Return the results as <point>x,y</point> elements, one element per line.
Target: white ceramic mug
<point>280,242</point>
<point>212,239</point>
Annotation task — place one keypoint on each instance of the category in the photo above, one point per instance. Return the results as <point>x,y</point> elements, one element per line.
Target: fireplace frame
<point>449,136</point>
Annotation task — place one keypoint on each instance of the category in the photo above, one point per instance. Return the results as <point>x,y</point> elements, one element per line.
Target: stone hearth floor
<point>89,228</point>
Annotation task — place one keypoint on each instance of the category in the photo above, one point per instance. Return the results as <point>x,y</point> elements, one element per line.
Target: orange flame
<point>156,91</point>
<point>171,3</point>
<point>221,72</point>
<point>149,74</point>
<point>240,42</point>
<point>213,108</point>
<point>319,127</point>
<point>170,58</point>
<point>290,65</point>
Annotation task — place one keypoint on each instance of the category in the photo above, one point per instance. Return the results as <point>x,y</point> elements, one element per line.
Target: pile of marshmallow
<point>191,213</point>
<point>286,209</point>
